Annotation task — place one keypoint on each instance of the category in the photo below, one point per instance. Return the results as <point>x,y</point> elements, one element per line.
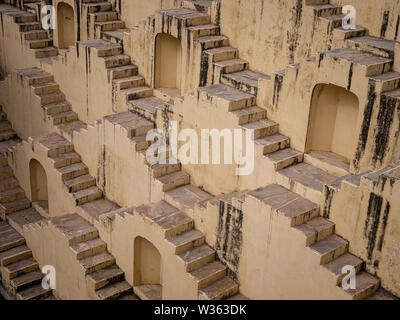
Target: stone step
<point>3,116</point>
<point>272,143</point>
<point>80,183</point>
<point>12,206</point>
<point>29,26</point>
<point>210,42</point>
<point>11,195</point>
<point>65,159</point>
<point>315,230</point>
<point>114,291</point>
<point>147,106</point>
<point>122,71</point>
<point>326,9</point>
<point>34,293</point>
<point>186,197</point>
<point>5,125</point>
<point>103,48</point>
<point>129,82</point>
<point>104,277</point>
<point>39,77</point>
<point>45,88</point>
<point>371,64</point>
<point>10,240</point>
<point>8,183</point>
<point>134,124</point>
<point>335,267</point>
<point>374,45</point>
<point>188,17</point>
<point>366,285</point>
<point>63,117</point>
<point>40,43</point>
<point>219,290</point>
<point>203,30</point>
<point>186,241</point>
<point>73,171</point>
<point>87,195</point>
<point>111,25</point>
<point>332,163</point>
<point>284,158</point>
<point>57,107</point>
<point>231,66</point>
<point>306,180</point>
<point>89,248</point>
<point>221,53</point>
<point>208,274</point>
<point>97,262</point>
<point>116,36</point>
<point>137,92</point>
<point>54,143</point>
<point>173,180</point>
<point>287,203</point>
<point>349,33</point>
<point>117,60</point>
<point>14,254</point>
<point>262,128</point>
<point>227,97</point>
<point>386,82</point>
<point>197,257</point>
<point>159,170</point>
<point>329,249</point>
<point>75,228</point>
<point>20,267</point>
<point>246,80</point>
<point>6,172</point>
<point>26,281</point>
<point>250,114</point>
<point>7,135</point>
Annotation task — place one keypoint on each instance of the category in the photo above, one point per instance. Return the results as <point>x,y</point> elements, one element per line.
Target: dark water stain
<point>384,225</point>
<point>329,193</point>
<point>366,123</point>
<point>229,239</point>
<point>350,79</point>
<point>372,222</point>
<point>294,35</point>
<point>277,89</point>
<point>384,124</point>
<point>385,22</point>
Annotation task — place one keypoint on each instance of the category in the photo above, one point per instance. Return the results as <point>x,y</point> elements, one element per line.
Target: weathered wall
<point>51,247</point>
<point>286,31</point>
<point>365,212</point>
<point>381,18</point>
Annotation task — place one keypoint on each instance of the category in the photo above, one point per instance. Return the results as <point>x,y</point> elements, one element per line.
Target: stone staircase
<point>317,233</point>
<point>57,110</point>
<point>31,31</point>
<point>198,258</point>
<point>105,280</point>
<point>20,272</point>
<point>103,21</point>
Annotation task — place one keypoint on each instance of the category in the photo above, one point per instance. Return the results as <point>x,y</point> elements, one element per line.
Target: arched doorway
<point>168,63</point>
<point>333,121</point>
<point>147,270</point>
<point>38,180</point>
<point>65,25</point>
